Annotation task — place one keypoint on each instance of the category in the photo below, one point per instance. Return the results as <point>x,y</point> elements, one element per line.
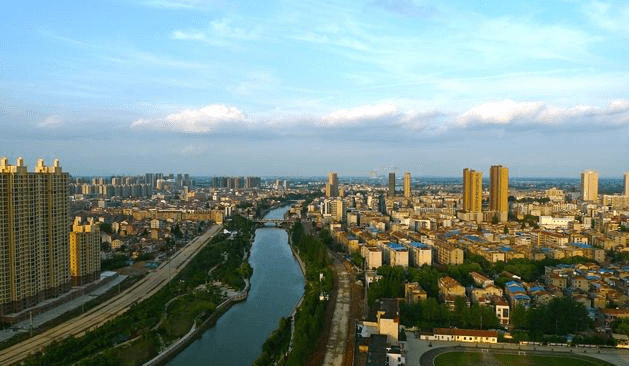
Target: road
<point>338,339</point>
<point>112,308</point>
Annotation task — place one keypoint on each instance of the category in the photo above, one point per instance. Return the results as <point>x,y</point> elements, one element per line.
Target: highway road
<point>110,309</point>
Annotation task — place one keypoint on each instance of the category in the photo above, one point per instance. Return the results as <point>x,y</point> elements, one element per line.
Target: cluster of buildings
<point>129,187</point>
<point>496,222</point>
<point>43,255</point>
<point>236,182</point>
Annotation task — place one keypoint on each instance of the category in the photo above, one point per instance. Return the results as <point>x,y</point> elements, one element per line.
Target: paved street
<point>117,305</point>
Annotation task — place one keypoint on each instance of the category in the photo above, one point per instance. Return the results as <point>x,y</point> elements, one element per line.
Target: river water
<point>276,286</point>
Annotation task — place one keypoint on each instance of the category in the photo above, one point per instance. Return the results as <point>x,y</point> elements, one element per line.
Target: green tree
<point>622,326</point>
<point>519,317</point>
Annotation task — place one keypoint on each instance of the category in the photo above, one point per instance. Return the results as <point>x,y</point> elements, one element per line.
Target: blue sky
<point>303,87</point>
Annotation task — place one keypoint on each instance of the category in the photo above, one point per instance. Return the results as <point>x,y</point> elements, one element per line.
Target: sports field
<point>492,359</point>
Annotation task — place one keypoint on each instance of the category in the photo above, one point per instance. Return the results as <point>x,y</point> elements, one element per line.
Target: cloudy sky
<point>218,87</point>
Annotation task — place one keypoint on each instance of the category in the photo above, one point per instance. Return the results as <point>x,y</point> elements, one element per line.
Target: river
<point>276,286</point>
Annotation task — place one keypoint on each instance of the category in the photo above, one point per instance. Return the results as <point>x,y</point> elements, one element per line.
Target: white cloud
<point>499,113</point>
<point>510,113</point>
<point>390,121</point>
<point>359,114</point>
<point>619,105</point>
<point>50,122</point>
<point>203,120</point>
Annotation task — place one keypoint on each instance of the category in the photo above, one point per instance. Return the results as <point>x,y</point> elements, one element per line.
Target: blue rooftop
<point>474,238</point>
<point>396,246</point>
<point>452,233</point>
<point>581,245</point>
<point>513,286</point>
<point>505,248</point>
<point>417,244</point>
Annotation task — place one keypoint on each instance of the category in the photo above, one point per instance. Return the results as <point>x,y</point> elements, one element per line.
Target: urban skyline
<point>141,226</point>
<point>243,88</point>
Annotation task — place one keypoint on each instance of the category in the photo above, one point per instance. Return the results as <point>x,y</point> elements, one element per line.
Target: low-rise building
<point>502,310</point>
<point>413,292</point>
<point>398,255</point>
<point>449,254</point>
<point>388,319</point>
<point>450,289</point>
<point>420,254</point>
<point>462,335</point>
<point>373,257</point>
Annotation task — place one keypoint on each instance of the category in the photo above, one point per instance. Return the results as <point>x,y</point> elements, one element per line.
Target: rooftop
<point>396,247</point>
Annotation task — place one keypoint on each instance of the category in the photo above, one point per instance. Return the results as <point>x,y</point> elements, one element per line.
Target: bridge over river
<point>277,222</point>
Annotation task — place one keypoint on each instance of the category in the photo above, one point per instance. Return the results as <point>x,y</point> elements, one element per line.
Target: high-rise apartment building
<point>332,187</point>
<point>626,190</point>
<point>407,185</point>
<point>34,251</point>
<point>391,184</point>
<point>84,252</point>
<point>589,185</point>
<point>472,190</point>
<point>499,191</point>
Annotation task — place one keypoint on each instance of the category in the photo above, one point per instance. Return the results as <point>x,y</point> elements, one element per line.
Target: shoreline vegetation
<point>196,297</point>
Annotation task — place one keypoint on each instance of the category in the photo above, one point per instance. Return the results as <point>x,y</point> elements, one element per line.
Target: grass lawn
<point>138,352</point>
<point>477,358</point>
<point>515,360</point>
<point>459,358</point>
